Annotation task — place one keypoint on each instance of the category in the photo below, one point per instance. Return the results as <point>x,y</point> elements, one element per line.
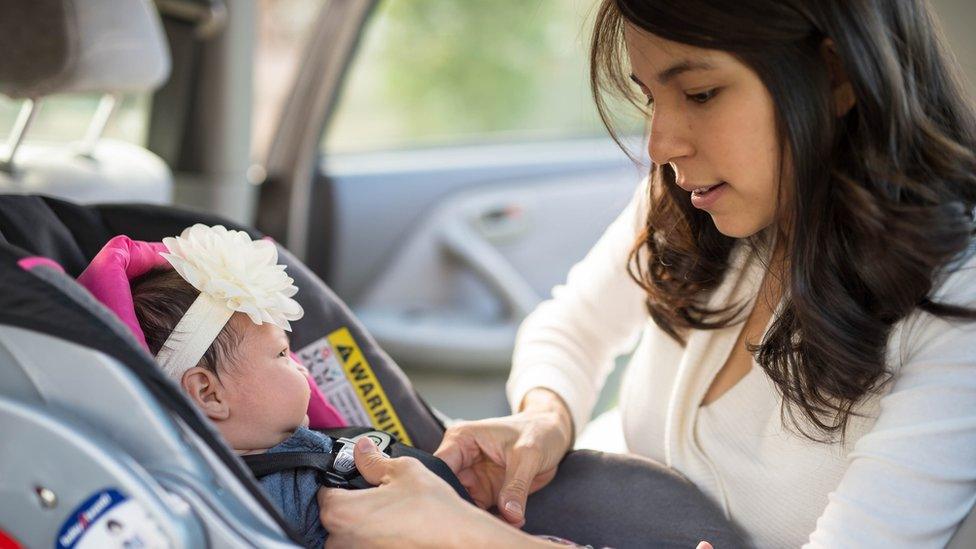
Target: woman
<point>800,265</point>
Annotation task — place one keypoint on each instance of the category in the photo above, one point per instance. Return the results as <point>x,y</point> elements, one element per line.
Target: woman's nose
<point>668,139</point>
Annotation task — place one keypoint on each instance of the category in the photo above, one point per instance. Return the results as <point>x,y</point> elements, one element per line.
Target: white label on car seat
<point>323,364</point>
<point>109,519</point>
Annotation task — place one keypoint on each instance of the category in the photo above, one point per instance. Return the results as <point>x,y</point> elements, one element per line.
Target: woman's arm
<point>911,479</point>
<point>568,344</point>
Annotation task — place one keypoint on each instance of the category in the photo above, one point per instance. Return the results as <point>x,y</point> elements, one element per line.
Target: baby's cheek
<point>301,393</point>
<point>254,402</point>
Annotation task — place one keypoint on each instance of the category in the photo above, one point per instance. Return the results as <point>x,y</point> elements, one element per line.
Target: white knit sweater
<point>905,477</point>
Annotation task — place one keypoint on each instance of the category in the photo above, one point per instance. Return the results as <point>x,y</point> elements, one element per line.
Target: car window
<point>65,118</point>
<point>281,31</point>
<point>443,72</point>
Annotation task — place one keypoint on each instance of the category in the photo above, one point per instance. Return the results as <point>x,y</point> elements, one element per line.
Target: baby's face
<point>266,391</point>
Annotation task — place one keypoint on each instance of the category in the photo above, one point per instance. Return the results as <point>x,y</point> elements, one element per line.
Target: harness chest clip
<point>343,468</point>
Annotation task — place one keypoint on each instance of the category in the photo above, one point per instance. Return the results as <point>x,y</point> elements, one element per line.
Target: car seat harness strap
<point>337,469</point>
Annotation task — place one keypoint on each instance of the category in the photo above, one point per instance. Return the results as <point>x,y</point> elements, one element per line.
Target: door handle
<point>460,241</point>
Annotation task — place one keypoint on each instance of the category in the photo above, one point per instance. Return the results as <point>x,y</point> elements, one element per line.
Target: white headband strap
<point>192,336</point>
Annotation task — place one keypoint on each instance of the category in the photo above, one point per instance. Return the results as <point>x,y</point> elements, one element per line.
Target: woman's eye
<point>702,97</point>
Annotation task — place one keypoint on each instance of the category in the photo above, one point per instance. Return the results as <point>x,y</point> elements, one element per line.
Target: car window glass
<point>443,72</point>
<point>282,28</point>
<point>65,118</point>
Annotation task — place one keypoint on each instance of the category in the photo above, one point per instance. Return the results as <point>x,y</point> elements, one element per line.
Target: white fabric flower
<point>233,269</point>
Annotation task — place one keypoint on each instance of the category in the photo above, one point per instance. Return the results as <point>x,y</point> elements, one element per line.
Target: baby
<point>215,319</point>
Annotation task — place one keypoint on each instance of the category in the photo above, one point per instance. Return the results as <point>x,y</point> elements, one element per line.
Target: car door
<point>442,168</point>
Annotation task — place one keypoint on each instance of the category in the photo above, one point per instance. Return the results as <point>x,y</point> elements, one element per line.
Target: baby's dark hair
<point>161,297</point>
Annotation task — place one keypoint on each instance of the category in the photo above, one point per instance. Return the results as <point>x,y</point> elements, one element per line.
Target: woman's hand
<point>503,460</point>
<point>411,507</point>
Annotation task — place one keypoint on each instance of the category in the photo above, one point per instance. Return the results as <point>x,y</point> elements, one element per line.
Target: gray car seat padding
<point>97,466</point>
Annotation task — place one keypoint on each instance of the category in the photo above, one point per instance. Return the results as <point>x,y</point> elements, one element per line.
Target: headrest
<point>79,46</point>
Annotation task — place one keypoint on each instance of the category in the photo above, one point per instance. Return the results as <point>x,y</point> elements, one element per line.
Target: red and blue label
<point>87,514</point>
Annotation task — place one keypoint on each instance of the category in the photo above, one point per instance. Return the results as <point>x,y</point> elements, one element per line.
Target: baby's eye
<point>283,353</point>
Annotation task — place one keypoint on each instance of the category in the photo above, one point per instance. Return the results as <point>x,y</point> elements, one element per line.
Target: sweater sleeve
<point>911,479</point>
<point>568,343</point>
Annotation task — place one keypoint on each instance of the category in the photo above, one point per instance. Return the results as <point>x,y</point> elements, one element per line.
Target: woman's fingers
<point>476,487</point>
<point>450,452</point>
<point>461,447</point>
<point>523,466</point>
<point>373,465</point>
<point>500,460</point>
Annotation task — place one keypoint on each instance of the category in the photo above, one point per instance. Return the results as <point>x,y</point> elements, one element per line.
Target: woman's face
<point>713,121</point>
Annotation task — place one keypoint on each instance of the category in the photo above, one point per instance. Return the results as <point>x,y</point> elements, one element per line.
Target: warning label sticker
<point>339,368</point>
<point>323,365</point>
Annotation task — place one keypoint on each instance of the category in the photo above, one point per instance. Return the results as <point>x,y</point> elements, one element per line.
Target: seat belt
<point>336,469</point>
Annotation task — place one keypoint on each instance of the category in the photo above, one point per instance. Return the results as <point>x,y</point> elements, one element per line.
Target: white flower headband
<point>233,274</point>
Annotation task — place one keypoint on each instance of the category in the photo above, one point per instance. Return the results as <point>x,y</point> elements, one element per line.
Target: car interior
<point>427,265</point>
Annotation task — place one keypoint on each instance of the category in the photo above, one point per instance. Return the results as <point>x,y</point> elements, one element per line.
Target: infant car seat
<point>91,416</point>
<point>95,438</point>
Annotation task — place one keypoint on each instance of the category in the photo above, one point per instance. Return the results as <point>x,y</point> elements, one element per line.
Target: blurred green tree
<point>437,72</point>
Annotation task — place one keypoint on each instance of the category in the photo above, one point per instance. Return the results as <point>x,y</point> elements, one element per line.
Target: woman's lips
<point>704,199</point>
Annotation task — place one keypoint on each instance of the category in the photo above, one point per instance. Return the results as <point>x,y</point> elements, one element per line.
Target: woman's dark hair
<point>882,201</point>
<point>161,297</point>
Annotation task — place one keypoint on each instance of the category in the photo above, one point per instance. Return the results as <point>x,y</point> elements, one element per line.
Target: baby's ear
<point>206,392</point>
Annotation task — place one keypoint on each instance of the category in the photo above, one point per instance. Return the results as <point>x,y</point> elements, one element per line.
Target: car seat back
<point>105,47</point>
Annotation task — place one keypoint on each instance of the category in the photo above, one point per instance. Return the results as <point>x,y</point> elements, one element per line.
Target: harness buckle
<point>343,468</point>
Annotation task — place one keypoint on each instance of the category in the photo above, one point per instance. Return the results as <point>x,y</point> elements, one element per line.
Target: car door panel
<point>443,265</point>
